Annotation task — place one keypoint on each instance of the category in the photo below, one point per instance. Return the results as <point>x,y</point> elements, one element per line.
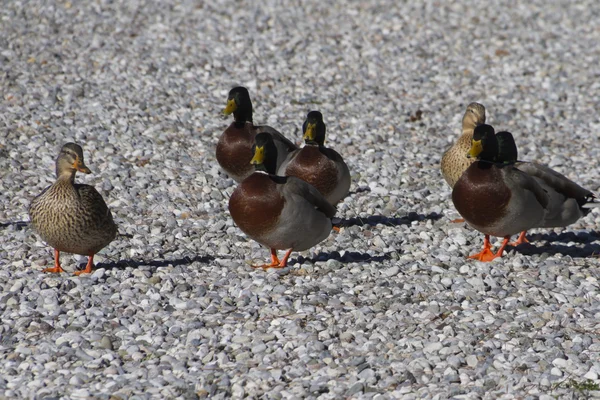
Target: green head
<point>484,145</point>
<point>239,104</point>
<point>314,128</point>
<point>264,153</point>
<point>507,148</point>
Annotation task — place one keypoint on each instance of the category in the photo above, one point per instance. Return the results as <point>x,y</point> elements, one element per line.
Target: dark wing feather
<point>93,200</point>
<point>311,194</point>
<point>556,181</point>
<point>278,138</point>
<point>523,180</point>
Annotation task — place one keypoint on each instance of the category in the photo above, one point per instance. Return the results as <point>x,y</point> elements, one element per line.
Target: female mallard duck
<point>323,168</point>
<point>454,160</point>
<point>279,212</point>
<point>500,197</point>
<point>72,217</point>
<point>234,150</point>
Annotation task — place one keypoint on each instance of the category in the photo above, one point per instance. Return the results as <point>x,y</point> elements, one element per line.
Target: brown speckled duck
<point>234,149</point>
<point>316,164</point>
<point>72,217</point>
<point>282,213</point>
<point>454,160</point>
<point>500,196</point>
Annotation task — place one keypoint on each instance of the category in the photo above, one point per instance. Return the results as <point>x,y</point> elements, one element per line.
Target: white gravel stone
<point>433,347</point>
<point>591,375</point>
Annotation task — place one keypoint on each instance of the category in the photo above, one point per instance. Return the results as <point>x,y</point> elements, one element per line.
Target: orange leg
<point>57,268</point>
<point>88,267</point>
<point>274,261</point>
<point>458,220</point>
<point>520,240</point>
<point>336,228</point>
<point>504,244</point>
<point>486,254</point>
<point>283,263</point>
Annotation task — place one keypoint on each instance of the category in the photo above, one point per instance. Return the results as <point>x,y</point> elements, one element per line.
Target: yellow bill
<point>476,149</point>
<point>310,132</point>
<point>230,107</point>
<point>259,156</point>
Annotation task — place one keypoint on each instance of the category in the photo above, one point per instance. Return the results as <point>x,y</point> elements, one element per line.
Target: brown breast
<point>234,150</point>
<point>256,204</point>
<point>312,166</point>
<point>480,195</point>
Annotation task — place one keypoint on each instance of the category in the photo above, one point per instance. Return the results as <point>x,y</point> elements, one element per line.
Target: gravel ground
<point>389,307</point>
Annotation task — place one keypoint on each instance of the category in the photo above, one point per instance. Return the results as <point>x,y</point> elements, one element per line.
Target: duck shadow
<point>154,264</point>
<point>375,220</point>
<point>17,224</point>
<point>578,237</point>
<point>555,244</point>
<point>348,257</point>
<point>358,190</point>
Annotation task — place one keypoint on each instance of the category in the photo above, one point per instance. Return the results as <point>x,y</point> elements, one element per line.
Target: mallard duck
<point>316,164</point>
<point>234,149</point>
<point>282,213</point>
<point>72,217</point>
<point>454,160</point>
<point>501,198</point>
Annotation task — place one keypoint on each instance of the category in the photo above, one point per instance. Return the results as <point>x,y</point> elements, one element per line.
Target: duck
<point>234,148</point>
<point>322,167</point>
<point>279,212</point>
<point>72,217</point>
<point>454,160</point>
<point>500,196</point>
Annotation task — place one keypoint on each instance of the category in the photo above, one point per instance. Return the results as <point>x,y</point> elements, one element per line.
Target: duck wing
<point>309,193</point>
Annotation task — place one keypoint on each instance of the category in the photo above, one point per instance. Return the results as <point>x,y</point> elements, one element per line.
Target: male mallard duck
<point>72,217</point>
<point>454,160</point>
<point>314,163</point>
<point>234,150</point>
<point>502,198</point>
<point>279,212</point>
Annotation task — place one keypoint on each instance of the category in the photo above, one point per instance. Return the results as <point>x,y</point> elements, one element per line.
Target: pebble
<point>433,347</point>
<point>472,361</point>
<point>591,375</point>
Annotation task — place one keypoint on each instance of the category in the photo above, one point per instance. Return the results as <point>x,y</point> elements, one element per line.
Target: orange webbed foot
<point>57,268</point>
<point>458,221</point>
<point>275,263</point>
<point>88,267</point>
<point>83,271</point>
<point>520,240</point>
<point>336,228</point>
<point>485,255</point>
